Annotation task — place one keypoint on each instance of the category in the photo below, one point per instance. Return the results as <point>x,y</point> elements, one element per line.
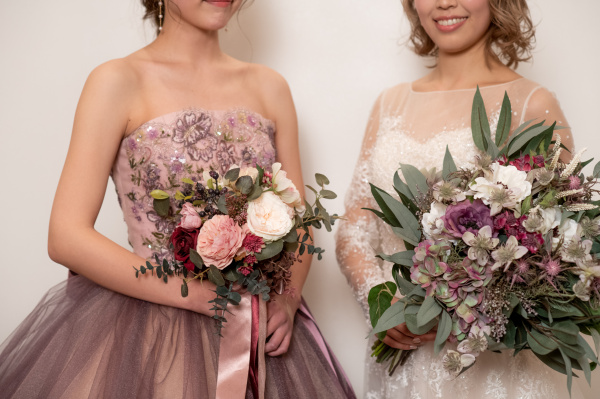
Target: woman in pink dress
<point>170,110</point>
<point>472,43</point>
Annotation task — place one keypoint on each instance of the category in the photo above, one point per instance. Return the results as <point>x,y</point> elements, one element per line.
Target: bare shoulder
<point>113,81</point>
<point>271,82</point>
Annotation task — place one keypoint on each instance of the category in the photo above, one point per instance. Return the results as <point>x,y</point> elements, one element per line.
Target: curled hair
<point>510,37</point>
<point>152,11</point>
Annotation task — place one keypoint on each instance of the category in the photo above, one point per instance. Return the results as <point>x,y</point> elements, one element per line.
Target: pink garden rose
<point>219,240</point>
<point>189,217</point>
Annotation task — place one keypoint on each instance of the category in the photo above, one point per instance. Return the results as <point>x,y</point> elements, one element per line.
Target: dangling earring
<point>160,15</point>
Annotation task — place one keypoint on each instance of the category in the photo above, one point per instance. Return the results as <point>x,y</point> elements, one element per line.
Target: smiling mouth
<point>451,21</point>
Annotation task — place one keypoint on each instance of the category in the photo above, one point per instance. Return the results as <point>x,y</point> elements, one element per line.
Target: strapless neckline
<point>168,115</point>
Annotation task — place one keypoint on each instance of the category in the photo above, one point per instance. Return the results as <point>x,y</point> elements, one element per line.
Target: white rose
<point>567,231</point>
<point>433,225</point>
<point>269,217</point>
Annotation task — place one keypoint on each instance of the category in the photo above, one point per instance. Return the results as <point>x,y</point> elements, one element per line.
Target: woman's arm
<point>543,105</point>
<point>280,106</point>
<point>101,120</point>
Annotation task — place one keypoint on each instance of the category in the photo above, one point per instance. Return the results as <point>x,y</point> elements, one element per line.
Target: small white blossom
<point>454,363</point>
<point>503,187</point>
<point>507,253</point>
<point>433,225</point>
<point>480,244</point>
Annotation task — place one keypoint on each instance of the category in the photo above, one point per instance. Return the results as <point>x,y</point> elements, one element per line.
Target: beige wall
<point>336,54</point>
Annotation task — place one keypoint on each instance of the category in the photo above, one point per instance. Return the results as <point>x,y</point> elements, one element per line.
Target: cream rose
<point>286,189</point>
<point>219,240</point>
<point>269,217</point>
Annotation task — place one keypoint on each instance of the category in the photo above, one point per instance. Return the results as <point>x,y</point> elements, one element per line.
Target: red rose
<point>183,240</point>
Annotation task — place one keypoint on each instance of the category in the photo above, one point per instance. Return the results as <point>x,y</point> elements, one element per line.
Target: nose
<point>446,4</point>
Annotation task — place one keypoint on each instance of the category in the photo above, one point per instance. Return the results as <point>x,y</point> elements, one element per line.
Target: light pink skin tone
<point>462,63</point>
<point>184,67</point>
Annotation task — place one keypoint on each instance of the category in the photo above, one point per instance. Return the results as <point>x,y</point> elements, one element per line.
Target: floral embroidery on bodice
<point>161,152</point>
<point>414,128</point>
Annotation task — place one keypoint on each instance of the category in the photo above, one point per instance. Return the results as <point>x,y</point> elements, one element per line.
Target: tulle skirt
<point>84,341</point>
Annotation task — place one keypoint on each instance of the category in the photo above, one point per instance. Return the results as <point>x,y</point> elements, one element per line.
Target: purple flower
<point>466,216</point>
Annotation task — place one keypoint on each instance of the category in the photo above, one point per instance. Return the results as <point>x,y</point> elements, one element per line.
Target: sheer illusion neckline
<point>168,115</point>
<point>412,91</point>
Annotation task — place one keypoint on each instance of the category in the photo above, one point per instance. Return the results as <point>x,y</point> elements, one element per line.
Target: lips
<point>449,23</point>
<point>221,3</point>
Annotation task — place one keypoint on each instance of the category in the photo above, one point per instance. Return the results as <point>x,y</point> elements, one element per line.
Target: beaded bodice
<point>158,154</point>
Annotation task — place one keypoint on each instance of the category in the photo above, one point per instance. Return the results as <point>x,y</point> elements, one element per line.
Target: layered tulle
<point>84,341</point>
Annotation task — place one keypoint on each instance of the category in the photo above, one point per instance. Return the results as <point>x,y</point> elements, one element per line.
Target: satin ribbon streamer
<point>241,350</point>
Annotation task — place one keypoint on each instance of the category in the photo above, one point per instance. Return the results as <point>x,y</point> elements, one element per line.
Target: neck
<point>468,68</point>
<point>180,42</point>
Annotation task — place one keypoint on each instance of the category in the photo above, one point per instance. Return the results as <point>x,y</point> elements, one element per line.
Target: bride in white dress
<point>475,43</point>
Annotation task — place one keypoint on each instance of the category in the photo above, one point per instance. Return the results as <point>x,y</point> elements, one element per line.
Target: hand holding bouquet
<point>240,229</point>
<point>500,256</point>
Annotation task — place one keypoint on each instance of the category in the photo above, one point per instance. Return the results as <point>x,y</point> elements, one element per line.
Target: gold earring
<point>160,15</point>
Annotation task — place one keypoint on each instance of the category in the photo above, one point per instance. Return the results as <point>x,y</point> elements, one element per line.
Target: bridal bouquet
<point>501,255</point>
<point>240,229</point>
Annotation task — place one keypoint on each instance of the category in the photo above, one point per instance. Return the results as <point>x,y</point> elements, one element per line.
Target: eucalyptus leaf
<point>292,236</point>
<point>244,184</point>
<point>596,173</point>
<point>569,369</point>
<point>443,332</point>
<point>159,194</point>
<point>401,187</point>
<point>270,250</point>
<point>589,352</point>
<point>393,316</point>
<point>429,310</point>
<point>184,289</point>
<point>232,174</point>
<point>403,258</point>
<point>415,180</point>
<point>322,180</point>
<point>504,121</point>
<point>380,299</point>
<point>162,206</point>
<point>328,194</point>
<point>520,142</point>
<point>540,343</point>
<point>596,337</point>
<point>214,275</point>
<point>404,285</point>
<point>449,166</point>
<point>480,126</point>
<point>196,258</point>
<point>410,316</point>
<point>222,205</point>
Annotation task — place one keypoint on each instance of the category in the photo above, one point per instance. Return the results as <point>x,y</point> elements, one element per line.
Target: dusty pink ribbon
<point>239,359</point>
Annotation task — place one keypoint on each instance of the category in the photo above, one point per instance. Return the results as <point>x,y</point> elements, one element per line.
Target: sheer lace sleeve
<point>357,237</point>
<point>542,104</point>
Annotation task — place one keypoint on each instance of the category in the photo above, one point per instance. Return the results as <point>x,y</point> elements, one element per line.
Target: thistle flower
<point>454,363</point>
<point>507,253</point>
<point>574,182</point>
<point>480,244</point>
<point>483,161</point>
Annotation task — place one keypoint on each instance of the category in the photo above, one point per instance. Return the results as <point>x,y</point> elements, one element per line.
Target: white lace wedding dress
<point>415,127</point>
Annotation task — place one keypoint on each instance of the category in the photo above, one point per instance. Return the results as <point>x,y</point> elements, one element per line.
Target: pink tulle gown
<point>84,341</point>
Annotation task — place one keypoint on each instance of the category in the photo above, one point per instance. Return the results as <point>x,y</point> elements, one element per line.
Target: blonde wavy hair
<point>510,37</point>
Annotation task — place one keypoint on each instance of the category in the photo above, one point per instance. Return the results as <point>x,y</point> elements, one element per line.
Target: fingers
<point>281,345</point>
<point>400,337</point>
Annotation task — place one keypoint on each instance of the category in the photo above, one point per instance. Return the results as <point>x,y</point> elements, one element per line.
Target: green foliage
<point>380,299</point>
<point>504,121</point>
<point>449,165</point>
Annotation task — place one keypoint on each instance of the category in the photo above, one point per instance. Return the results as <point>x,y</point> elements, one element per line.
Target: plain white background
<point>336,55</point>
